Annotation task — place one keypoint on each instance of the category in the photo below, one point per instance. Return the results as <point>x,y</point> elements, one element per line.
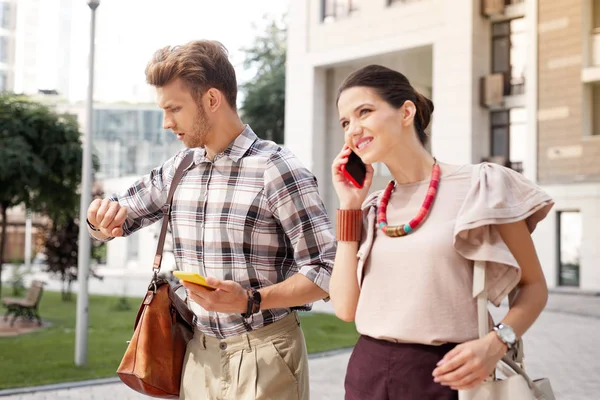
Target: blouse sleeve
<point>498,195</point>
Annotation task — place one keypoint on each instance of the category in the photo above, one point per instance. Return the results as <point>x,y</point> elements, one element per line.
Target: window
<point>569,229</point>
<point>595,89</point>
<point>596,14</point>
<point>508,137</point>
<point>509,54</point>
<point>5,15</point>
<point>501,47</point>
<point>123,137</point>
<point>518,135</point>
<point>500,140</point>
<point>334,9</point>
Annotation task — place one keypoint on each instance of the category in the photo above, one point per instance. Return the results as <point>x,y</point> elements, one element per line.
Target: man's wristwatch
<point>92,227</point>
<point>506,334</point>
<point>254,300</point>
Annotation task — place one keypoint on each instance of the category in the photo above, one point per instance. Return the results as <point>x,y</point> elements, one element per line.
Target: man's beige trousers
<point>269,363</point>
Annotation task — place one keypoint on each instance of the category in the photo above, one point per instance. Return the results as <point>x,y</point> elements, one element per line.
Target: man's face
<point>183,115</point>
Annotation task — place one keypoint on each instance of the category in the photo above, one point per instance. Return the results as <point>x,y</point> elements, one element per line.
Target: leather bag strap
<point>185,164</point>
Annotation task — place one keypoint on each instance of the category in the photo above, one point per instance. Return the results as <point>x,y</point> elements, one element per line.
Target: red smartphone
<point>355,170</point>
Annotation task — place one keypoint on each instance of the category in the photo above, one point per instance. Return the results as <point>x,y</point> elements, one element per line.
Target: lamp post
<point>83,254</point>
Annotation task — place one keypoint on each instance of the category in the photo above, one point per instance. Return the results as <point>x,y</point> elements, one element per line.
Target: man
<point>248,216</point>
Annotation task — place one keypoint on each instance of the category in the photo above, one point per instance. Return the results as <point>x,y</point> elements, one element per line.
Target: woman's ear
<point>409,112</point>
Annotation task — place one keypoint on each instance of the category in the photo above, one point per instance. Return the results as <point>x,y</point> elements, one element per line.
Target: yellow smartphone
<point>193,278</point>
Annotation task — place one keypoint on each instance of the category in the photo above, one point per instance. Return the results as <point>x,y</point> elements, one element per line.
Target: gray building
<point>130,140</point>
<point>127,138</point>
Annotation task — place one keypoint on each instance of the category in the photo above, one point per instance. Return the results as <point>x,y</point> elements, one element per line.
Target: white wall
<point>371,27</point>
<point>460,55</point>
<point>584,198</point>
<point>454,80</point>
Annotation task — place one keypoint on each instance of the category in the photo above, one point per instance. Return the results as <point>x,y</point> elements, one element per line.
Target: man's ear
<point>214,99</point>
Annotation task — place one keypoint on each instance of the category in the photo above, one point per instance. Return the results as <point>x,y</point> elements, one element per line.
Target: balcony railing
<point>495,87</point>
<point>490,8</point>
<point>492,90</point>
<point>336,9</point>
<point>516,86</point>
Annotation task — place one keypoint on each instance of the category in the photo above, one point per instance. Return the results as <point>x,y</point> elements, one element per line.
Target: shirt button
<point>223,346</point>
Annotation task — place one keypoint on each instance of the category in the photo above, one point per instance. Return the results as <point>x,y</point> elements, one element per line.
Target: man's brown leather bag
<point>153,362</point>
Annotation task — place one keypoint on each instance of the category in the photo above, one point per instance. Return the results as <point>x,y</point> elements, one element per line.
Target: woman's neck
<point>411,165</point>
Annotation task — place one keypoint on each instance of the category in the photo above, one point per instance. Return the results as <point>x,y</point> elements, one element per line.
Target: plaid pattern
<point>253,215</point>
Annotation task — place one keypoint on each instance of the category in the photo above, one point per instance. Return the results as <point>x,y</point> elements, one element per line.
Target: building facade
<point>129,142</point>
<point>128,139</point>
<point>8,14</point>
<point>513,82</point>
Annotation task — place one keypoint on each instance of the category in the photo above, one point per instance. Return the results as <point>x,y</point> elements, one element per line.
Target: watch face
<point>507,334</point>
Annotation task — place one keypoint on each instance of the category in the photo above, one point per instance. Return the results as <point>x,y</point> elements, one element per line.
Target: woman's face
<point>372,127</point>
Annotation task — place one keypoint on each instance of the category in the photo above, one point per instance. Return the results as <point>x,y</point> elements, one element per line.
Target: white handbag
<point>516,385</point>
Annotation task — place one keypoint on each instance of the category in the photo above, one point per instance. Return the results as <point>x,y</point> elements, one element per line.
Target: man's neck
<point>223,134</point>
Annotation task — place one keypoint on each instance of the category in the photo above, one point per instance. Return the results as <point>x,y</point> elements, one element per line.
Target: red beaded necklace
<point>403,230</point>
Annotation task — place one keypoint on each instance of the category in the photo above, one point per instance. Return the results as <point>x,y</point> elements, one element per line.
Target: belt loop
<point>204,341</point>
<point>297,317</point>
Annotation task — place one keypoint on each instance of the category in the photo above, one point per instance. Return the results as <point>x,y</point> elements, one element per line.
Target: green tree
<point>264,95</point>
<point>61,250</point>
<point>40,161</point>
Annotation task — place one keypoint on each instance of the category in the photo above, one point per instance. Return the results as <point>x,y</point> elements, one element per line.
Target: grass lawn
<point>47,356</point>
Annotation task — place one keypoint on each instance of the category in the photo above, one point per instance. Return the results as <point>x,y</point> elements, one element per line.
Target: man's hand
<point>229,297</point>
<point>108,216</point>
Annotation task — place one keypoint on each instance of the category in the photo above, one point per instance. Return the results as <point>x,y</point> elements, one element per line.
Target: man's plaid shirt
<point>252,215</point>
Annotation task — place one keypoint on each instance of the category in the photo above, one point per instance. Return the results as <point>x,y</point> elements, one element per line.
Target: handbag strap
<point>185,164</point>
<point>514,359</point>
<point>483,315</point>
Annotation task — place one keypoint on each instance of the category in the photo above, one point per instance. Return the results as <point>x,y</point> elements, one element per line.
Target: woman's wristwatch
<point>506,334</point>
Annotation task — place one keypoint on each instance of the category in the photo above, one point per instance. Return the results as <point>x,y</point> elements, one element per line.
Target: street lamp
<point>83,254</point>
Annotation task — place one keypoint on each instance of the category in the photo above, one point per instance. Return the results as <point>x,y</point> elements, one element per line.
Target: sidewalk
<point>562,346</point>
<point>326,377</point>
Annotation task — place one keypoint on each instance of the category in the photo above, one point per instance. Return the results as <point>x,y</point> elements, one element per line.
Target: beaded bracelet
<point>349,225</point>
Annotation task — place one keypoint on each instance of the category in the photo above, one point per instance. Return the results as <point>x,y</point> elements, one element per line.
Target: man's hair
<point>201,64</point>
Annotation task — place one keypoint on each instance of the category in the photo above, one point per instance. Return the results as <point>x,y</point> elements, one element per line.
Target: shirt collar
<point>236,150</point>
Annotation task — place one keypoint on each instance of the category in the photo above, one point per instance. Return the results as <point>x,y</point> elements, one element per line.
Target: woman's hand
<point>351,197</point>
<point>469,363</point>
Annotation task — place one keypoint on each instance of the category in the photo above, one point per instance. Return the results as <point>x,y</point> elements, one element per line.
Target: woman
<point>406,277</point>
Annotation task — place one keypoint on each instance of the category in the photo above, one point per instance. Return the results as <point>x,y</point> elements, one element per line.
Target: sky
<point>129,31</point>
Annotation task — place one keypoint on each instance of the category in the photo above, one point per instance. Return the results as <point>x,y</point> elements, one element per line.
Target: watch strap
<point>254,300</point>
<point>91,226</point>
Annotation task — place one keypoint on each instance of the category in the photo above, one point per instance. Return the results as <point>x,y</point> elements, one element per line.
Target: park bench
<point>26,306</point>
